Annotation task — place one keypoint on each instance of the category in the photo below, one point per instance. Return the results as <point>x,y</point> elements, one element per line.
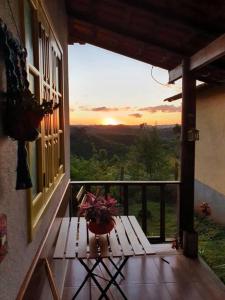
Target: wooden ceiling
<point>158,32</point>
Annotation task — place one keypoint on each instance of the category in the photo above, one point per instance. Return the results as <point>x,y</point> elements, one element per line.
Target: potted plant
<point>99,212</point>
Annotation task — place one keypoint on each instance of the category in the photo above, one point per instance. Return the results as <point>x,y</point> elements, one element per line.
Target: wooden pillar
<point>186,217</point>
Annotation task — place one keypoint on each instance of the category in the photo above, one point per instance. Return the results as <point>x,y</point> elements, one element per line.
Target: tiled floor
<point>174,278</point>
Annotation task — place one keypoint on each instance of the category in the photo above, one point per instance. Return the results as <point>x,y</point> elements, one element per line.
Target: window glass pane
<point>33,149</point>
<point>29,31</point>
<point>57,74</point>
<point>32,83</point>
<point>33,167</point>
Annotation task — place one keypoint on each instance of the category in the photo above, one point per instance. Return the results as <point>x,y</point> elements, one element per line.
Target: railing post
<point>162,213</point>
<point>87,187</point>
<point>125,199</point>
<point>70,201</point>
<point>106,190</point>
<point>144,209</point>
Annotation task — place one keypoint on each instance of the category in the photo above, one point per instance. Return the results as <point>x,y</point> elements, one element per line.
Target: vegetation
<point>136,153</point>
<point>150,156</point>
<point>212,245</point>
<point>98,167</point>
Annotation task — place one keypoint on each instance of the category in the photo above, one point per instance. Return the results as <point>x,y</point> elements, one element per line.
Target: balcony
<point>166,275</point>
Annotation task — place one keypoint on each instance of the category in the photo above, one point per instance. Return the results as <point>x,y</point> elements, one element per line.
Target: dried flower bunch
<point>205,209</point>
<point>98,209</point>
<point>30,103</point>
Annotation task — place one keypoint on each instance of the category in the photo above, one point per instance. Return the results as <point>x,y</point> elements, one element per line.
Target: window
<point>44,66</point>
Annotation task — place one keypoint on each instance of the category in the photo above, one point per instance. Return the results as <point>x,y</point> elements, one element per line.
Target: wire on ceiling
<point>157,81</point>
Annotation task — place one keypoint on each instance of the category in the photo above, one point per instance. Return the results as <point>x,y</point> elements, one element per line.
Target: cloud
<point>84,108</point>
<point>162,108</point>
<point>103,108</point>
<point>135,115</point>
<point>150,109</point>
<point>72,109</point>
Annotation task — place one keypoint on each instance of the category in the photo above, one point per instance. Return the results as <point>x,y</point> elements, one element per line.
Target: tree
<point>98,167</point>
<point>147,159</point>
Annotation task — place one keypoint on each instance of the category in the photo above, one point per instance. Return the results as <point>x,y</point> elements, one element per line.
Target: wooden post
<point>186,216</point>
<point>125,200</point>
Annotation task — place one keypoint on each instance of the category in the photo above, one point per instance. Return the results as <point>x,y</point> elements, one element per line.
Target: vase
<point>101,228</point>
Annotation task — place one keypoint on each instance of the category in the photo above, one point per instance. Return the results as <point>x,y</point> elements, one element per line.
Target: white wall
<point>210,150</point>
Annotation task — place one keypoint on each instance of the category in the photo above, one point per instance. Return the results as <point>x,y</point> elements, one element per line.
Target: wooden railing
<point>124,197</point>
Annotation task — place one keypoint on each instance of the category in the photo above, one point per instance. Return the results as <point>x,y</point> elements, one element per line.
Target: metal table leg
<point>113,278</point>
<point>89,274</point>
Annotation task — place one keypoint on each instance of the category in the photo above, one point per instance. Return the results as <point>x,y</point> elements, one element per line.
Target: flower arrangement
<point>98,209</point>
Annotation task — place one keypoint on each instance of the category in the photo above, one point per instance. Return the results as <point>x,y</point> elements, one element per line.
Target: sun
<point>109,121</point>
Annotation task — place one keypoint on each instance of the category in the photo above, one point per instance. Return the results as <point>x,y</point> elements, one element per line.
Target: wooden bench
<point>77,200</point>
<point>81,196</point>
<point>127,239</point>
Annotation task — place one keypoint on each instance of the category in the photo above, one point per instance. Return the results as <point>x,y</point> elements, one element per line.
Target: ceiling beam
<point>178,96</point>
<point>203,57</point>
<point>112,48</point>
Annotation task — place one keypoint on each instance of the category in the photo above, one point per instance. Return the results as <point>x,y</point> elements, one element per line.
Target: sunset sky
<point>108,88</point>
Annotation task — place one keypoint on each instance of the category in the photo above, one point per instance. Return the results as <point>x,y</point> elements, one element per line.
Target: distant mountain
<point>116,139</point>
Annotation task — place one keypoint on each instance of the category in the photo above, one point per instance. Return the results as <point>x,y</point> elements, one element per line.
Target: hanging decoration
<point>23,113</point>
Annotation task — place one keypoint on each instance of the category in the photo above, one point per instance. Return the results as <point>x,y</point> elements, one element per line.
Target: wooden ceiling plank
<point>113,48</point>
<point>78,24</point>
<point>203,57</point>
<point>172,19</point>
<point>91,21</point>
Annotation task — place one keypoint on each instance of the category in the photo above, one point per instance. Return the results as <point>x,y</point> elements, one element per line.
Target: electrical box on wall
<point>3,236</point>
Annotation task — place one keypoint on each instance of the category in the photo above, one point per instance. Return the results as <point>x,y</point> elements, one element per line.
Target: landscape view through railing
<point>132,154</point>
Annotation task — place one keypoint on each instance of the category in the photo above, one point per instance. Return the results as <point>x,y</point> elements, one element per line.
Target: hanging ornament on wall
<point>23,113</point>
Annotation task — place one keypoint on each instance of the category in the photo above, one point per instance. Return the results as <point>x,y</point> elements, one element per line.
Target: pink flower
<point>98,208</point>
<point>91,198</point>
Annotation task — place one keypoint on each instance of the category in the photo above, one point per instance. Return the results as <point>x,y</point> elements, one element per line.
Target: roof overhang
<point>160,33</point>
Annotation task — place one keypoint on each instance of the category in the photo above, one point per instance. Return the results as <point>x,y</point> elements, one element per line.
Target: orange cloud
<point>103,108</point>
<point>136,115</point>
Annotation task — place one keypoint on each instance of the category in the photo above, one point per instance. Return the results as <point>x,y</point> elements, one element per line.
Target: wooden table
<point>125,240</point>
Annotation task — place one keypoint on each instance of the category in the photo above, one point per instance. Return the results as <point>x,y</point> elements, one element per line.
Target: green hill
<point>114,139</point>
